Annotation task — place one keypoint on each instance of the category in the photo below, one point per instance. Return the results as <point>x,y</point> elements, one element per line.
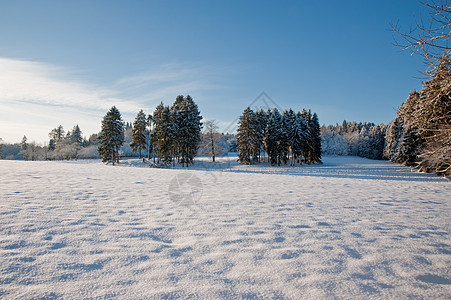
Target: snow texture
<point>350,228</point>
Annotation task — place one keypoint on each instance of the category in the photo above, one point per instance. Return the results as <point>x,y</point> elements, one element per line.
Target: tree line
<point>287,137</point>
<point>352,138</point>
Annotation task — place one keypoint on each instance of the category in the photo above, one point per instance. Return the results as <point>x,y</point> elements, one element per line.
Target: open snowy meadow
<point>351,228</point>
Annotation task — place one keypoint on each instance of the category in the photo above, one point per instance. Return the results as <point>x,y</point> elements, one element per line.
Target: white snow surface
<point>350,228</point>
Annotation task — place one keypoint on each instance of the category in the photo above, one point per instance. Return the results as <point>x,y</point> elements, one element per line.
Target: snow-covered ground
<point>348,229</point>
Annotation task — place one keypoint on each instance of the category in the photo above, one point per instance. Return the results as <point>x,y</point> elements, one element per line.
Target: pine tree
<point>262,122</point>
<point>274,133</point>
<point>187,119</point>
<point>111,136</point>
<point>149,140</point>
<point>247,136</point>
<point>297,136</point>
<point>165,133</point>
<point>138,133</point>
<point>409,147</point>
<point>51,145</point>
<point>57,134</point>
<point>392,138</point>
<point>75,136</point>
<point>315,133</point>
<point>307,143</point>
<point>157,128</point>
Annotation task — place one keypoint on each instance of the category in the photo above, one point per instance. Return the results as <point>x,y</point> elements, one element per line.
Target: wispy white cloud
<point>45,84</point>
<point>36,97</point>
<point>165,82</point>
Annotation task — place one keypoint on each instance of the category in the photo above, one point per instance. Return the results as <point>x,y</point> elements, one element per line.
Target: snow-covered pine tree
<point>57,134</point>
<point>315,133</point>
<point>409,147</point>
<point>165,133</point>
<point>274,132</point>
<point>149,137</point>
<point>111,136</point>
<point>194,129</point>
<point>75,136</point>
<point>262,122</point>
<point>297,136</point>
<point>247,136</point>
<point>187,119</point>
<point>307,140</point>
<point>138,133</point>
<point>289,120</point>
<point>392,137</point>
<point>157,128</point>
<point>376,141</point>
<point>309,146</point>
<point>178,119</point>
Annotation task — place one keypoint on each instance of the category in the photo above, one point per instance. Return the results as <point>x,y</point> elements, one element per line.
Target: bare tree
<point>430,36</point>
<point>211,131</point>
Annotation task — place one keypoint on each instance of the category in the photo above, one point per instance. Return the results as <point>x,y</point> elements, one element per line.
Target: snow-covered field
<point>348,229</point>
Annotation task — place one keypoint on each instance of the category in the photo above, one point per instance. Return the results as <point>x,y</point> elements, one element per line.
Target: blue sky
<point>68,62</point>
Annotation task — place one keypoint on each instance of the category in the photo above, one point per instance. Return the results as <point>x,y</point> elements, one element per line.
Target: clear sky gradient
<point>68,62</point>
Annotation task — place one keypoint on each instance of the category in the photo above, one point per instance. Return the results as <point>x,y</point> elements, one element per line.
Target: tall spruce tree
<point>75,136</point>
<point>247,137</point>
<point>315,133</point>
<point>165,133</point>
<point>307,138</point>
<point>262,122</point>
<point>296,135</point>
<point>149,138</point>
<point>392,138</point>
<point>274,132</point>
<point>111,136</point>
<point>187,119</point>
<point>138,133</point>
<point>57,135</point>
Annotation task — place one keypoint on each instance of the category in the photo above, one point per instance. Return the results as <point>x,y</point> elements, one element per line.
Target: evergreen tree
<point>274,133</point>
<point>262,123</point>
<point>51,144</point>
<point>315,133</point>
<point>149,137</point>
<point>111,136</point>
<point>165,131</point>
<point>138,133</point>
<point>187,120</point>
<point>57,134</point>
<point>247,136</point>
<point>409,147</point>
<point>75,136</point>
<point>297,136</point>
<point>376,141</point>
<point>307,143</point>
<point>392,138</point>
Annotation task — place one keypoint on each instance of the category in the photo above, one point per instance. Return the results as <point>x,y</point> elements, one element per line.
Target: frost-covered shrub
<point>88,152</point>
<point>332,144</point>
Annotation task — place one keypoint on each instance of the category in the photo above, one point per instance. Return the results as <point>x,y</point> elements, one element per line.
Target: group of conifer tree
<point>171,134</point>
<point>285,138</point>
